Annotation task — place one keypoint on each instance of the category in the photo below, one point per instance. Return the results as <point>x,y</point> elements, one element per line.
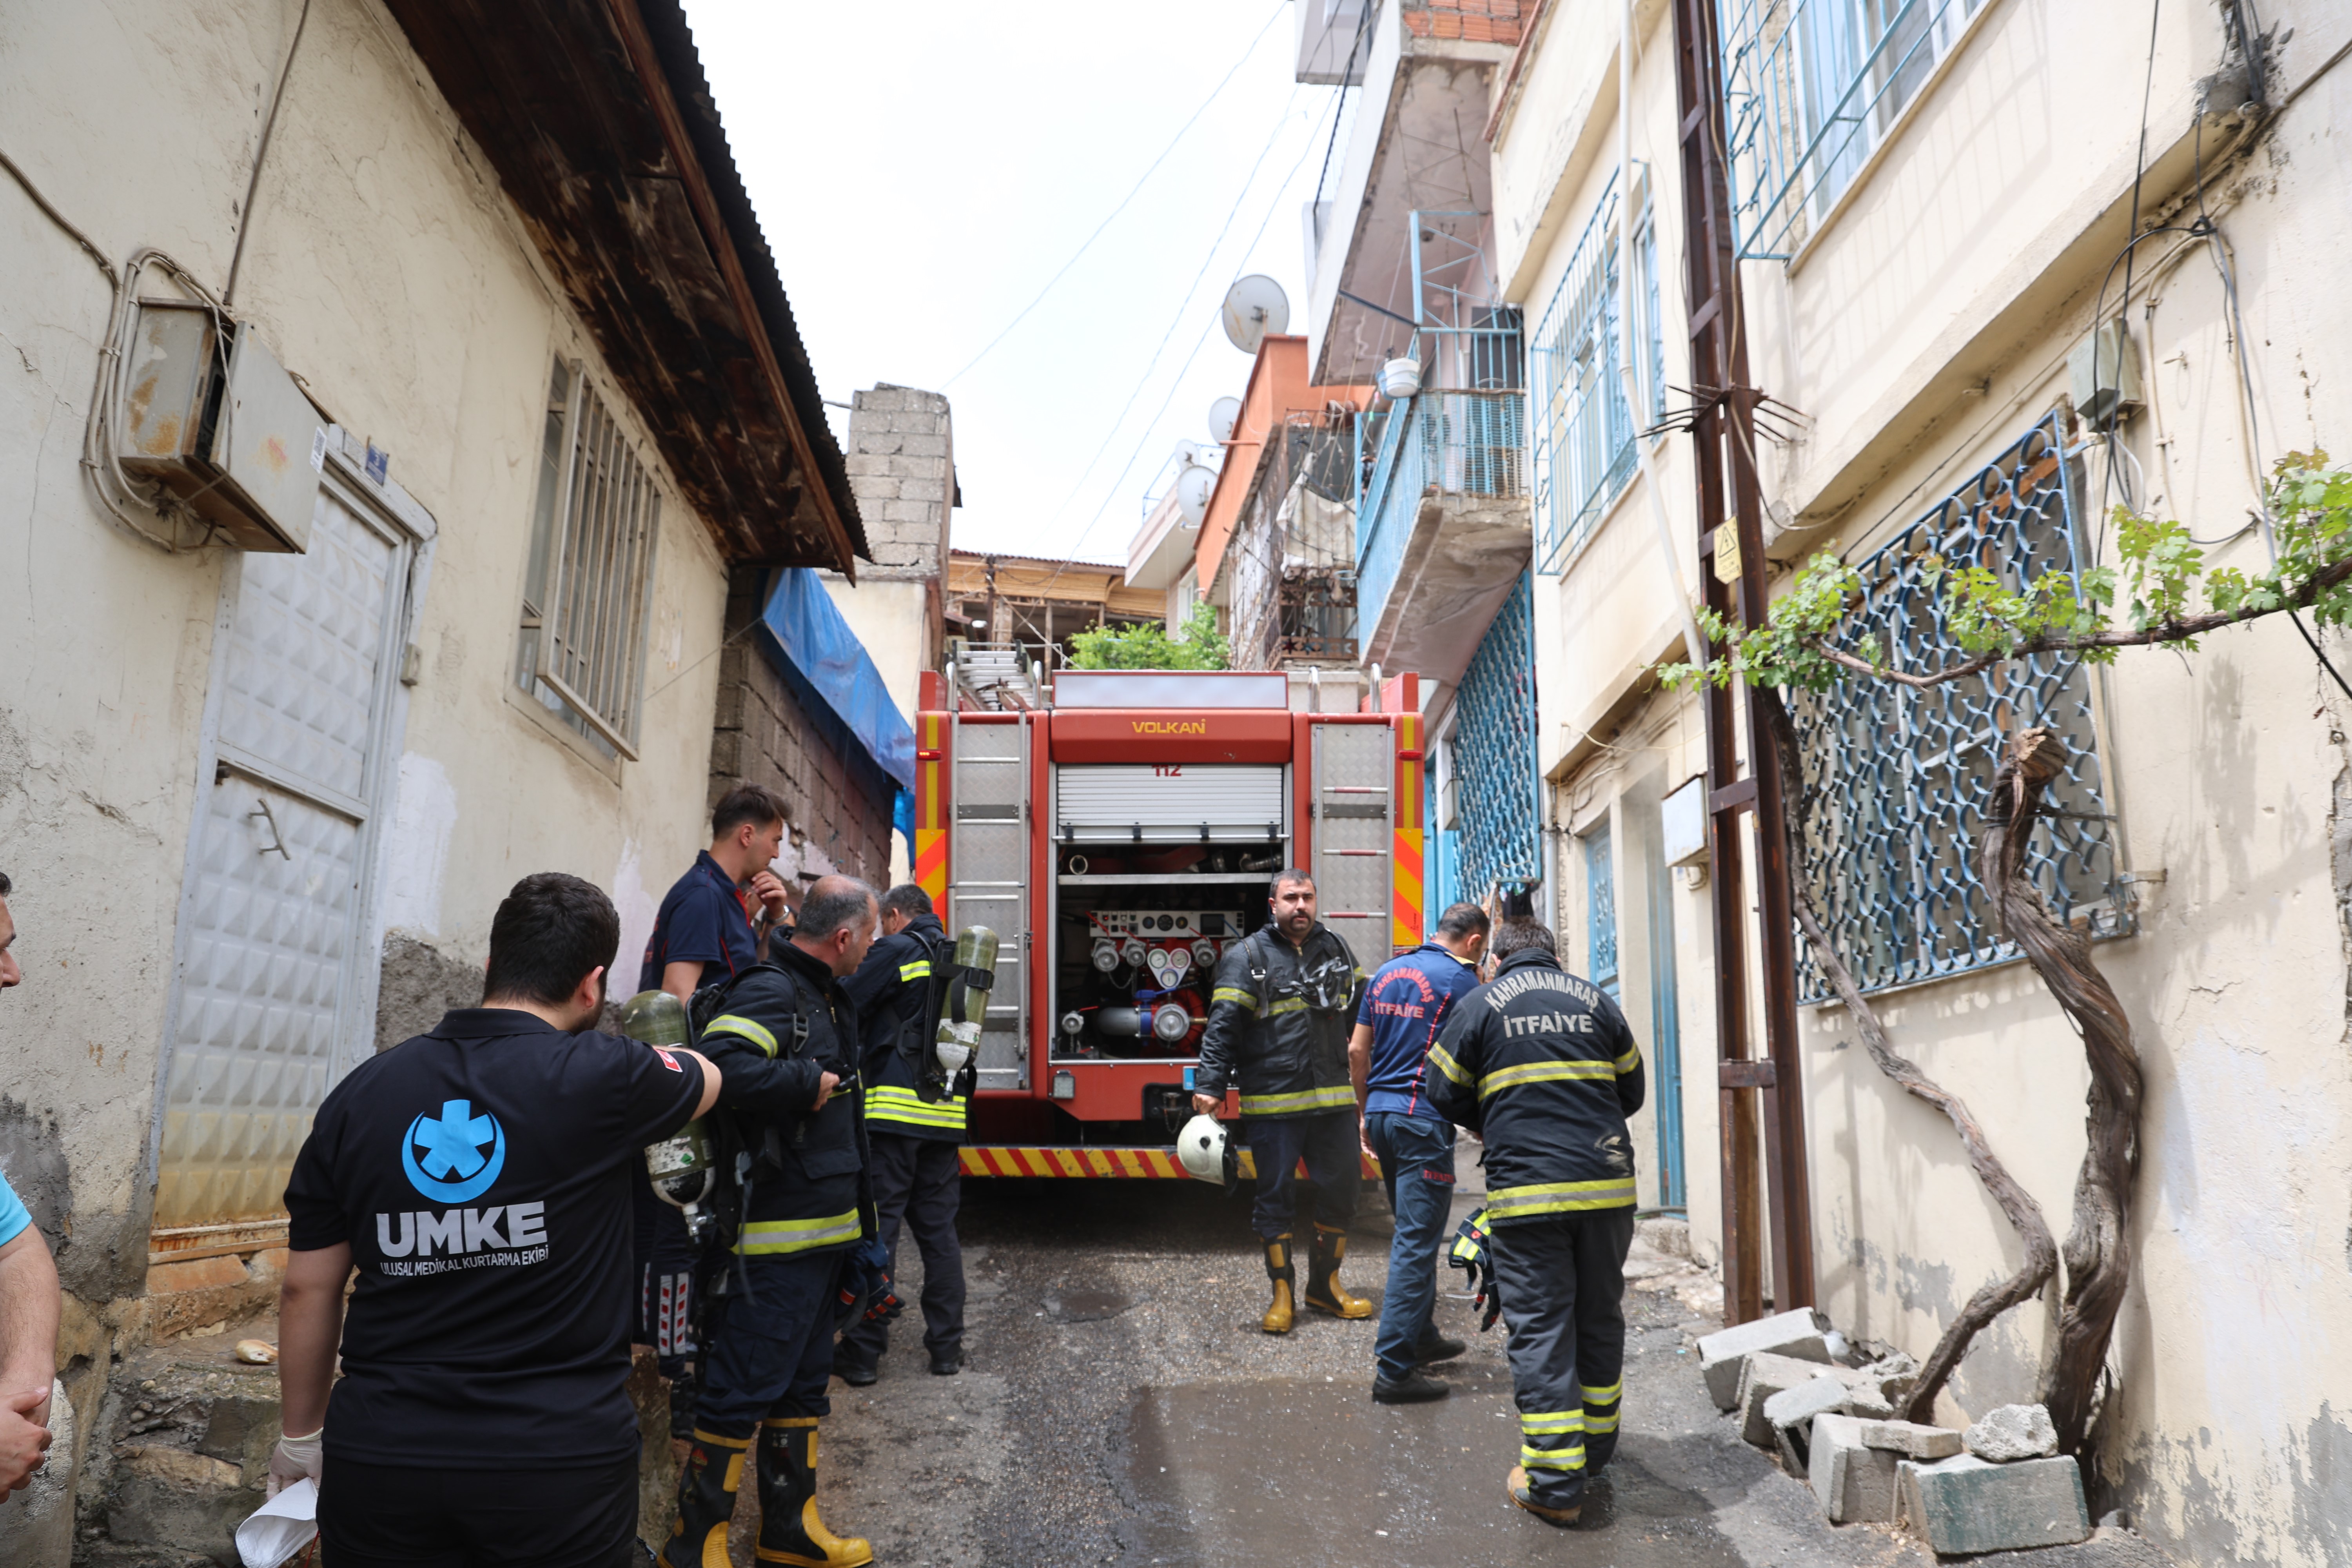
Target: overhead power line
<point>1280,7</point>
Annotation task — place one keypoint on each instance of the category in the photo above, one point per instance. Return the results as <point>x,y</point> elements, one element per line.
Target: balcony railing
<point>1470,444</point>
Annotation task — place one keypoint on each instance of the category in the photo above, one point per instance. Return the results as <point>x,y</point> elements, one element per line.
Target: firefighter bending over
<point>1278,1024</point>
<point>785,1040</point>
<point>1542,1066</point>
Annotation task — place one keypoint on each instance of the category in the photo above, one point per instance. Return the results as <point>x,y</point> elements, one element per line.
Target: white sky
<point>922,169</point>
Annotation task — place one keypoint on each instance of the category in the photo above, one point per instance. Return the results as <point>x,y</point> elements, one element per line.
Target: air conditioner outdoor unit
<point>221,426</point>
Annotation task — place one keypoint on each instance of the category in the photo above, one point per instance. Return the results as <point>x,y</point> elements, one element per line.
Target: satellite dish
<point>1224,413</point>
<point>1187,452</point>
<point>1255,306</point>
<point>1194,485</point>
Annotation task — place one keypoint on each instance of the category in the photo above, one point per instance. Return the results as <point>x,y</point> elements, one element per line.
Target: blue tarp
<point>818,646</point>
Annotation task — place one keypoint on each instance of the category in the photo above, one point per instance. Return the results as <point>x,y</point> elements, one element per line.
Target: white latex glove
<point>293,1459</point>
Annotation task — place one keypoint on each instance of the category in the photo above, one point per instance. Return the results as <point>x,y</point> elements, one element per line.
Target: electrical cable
<point>260,151</point>
<point>2131,250</point>
<point>1185,305</point>
<point>1179,380</point>
<point>2218,248</point>
<point>1174,322</point>
<point>1182,131</point>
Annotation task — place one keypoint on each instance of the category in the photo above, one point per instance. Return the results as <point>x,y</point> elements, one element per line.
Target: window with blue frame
<point>1601,908</point>
<point>1584,430</point>
<point>1811,88</point>
<point>1896,778</point>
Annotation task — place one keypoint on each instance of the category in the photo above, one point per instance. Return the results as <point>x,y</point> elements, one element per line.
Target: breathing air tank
<point>959,1037</point>
<point>680,1164</point>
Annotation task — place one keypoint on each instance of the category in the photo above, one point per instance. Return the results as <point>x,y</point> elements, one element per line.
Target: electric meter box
<point>221,426</point>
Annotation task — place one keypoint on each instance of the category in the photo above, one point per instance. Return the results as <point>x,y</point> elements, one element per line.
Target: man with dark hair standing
<point>1278,1029</point>
<point>1542,1066</point>
<point>786,1041</point>
<point>704,931</point>
<point>29,1300</point>
<point>914,1150</point>
<point>478,1177</point>
<point>1403,1008</point>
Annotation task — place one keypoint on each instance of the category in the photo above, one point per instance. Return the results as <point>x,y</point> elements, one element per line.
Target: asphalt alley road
<point>1121,1406</point>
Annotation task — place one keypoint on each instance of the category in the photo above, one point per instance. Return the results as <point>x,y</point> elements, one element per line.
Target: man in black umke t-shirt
<point>478,1177</point>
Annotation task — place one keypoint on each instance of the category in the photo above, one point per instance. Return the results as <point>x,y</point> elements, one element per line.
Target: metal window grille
<point>1492,755</point>
<point>1811,88</point>
<point>1584,434</point>
<point>1601,908</point>
<point>1896,778</point>
<point>588,591</point>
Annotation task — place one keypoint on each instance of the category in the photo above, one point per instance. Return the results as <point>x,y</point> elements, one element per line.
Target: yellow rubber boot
<point>707,1486</point>
<point>1279,1316</point>
<point>790,1530</point>
<point>1324,1291</point>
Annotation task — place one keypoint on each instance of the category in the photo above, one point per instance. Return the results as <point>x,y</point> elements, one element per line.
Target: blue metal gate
<point>1494,748</point>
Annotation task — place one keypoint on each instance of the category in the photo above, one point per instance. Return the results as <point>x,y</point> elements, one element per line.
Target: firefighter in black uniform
<point>785,1040</point>
<point>1280,1016</point>
<point>914,1126</point>
<point>1542,1066</point>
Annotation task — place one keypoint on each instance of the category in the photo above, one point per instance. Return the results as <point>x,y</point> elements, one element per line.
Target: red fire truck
<point>1117,838</point>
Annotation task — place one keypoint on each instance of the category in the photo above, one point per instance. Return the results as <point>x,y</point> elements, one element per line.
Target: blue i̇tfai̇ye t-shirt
<point>481,1175</point>
<point>1406,1004</point>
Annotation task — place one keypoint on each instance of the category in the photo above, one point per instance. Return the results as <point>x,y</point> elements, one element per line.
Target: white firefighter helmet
<point>1207,1152</point>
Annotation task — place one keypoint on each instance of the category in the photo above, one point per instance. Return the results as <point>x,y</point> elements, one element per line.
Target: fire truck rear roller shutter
<point>1119,803</point>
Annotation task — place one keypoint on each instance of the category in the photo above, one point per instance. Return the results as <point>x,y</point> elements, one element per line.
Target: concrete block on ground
<point>1852,1480</point>
<point>1911,1440</point>
<point>1767,1376</point>
<point>2011,1433</point>
<point>1963,1504</point>
<point>1722,1355</point>
<point>1800,1405</point>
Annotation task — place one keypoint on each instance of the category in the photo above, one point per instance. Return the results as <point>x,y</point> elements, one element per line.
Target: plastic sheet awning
<point>812,642</point>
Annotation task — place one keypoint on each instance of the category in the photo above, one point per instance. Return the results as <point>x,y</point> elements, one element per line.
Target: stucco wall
<point>2229,1433</point>
<point>1920,329</point>
<point>385,268</point>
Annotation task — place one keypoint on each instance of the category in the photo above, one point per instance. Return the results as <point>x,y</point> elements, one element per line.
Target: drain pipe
<point>1694,644</point>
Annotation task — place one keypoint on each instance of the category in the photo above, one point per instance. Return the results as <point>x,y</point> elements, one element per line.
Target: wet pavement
<point>1121,1406</point>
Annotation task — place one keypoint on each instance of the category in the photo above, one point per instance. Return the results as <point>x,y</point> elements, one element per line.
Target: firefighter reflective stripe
<point>1338,1096</point>
<point>1550,1423</point>
<point>769,1237</point>
<point>1567,1459</point>
<point>1543,1073</point>
<point>1601,1406</point>
<point>1442,1060</point>
<point>729,1024</point>
<point>1559,1198</point>
<point>1235,995</point>
<point>1293,1005</point>
<point>918,970</point>
<point>1628,1061</point>
<point>886,1102</point>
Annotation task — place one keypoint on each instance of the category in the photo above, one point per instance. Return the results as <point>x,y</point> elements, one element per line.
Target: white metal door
<point>271,918</point>
<point>1355,840</point>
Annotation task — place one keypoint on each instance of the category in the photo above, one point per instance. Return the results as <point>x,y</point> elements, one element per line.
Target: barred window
<point>1896,779</point>
<point>1584,433</point>
<point>1812,87</point>
<point>588,589</point>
